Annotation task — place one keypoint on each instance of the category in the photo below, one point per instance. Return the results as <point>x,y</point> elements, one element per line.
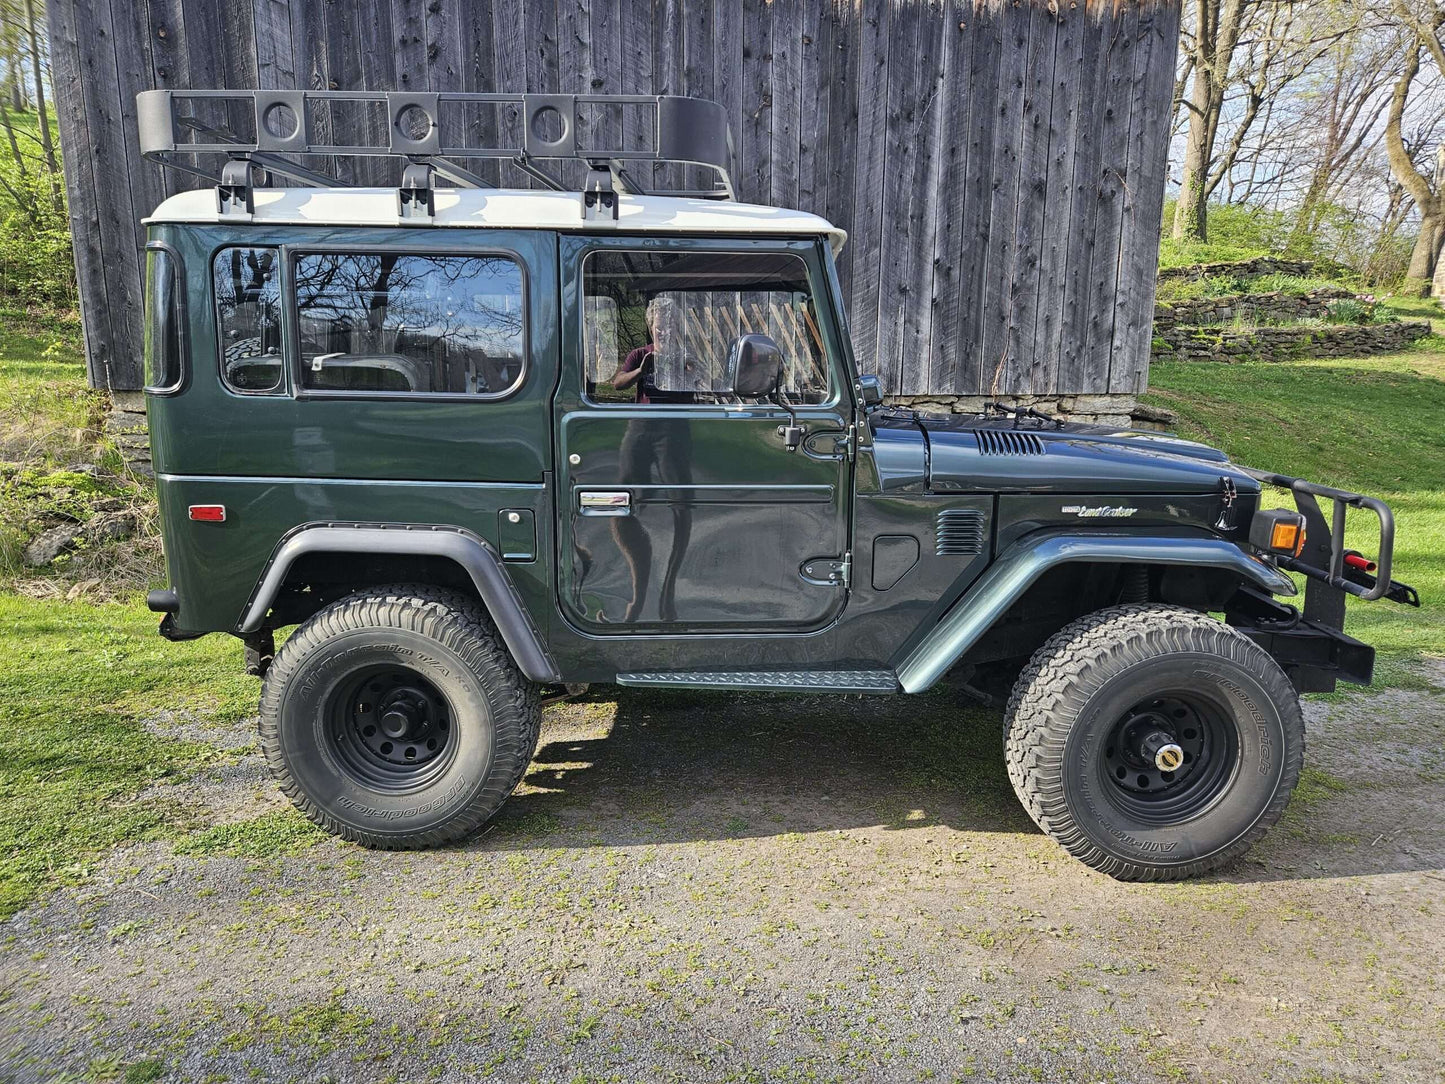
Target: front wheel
<point>1153,742</point>
<point>396,719</point>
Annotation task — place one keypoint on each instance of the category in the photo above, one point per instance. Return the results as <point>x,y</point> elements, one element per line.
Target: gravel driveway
<point>704,887</point>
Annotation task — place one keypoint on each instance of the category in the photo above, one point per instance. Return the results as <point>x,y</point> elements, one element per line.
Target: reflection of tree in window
<point>248,312</point>
<point>394,322</point>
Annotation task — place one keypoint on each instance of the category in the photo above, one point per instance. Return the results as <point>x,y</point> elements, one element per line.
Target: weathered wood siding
<point>999,166</point>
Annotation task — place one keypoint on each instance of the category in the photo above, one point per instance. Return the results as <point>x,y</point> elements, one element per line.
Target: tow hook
<point>1163,750</point>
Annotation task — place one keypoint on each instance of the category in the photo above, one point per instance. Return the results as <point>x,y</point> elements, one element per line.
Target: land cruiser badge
<point>1103,511</point>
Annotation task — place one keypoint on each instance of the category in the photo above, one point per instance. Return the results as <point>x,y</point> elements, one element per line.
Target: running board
<point>797,681</point>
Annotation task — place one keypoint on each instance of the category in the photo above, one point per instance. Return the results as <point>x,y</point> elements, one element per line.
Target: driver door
<point>682,507</point>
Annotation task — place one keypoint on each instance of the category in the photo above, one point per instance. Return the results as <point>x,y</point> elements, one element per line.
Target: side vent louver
<point>1007,442</point>
<point>959,532</point>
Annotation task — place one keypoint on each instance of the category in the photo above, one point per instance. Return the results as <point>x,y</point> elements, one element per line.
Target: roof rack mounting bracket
<point>416,198</point>
<point>233,194</point>
<point>599,194</point>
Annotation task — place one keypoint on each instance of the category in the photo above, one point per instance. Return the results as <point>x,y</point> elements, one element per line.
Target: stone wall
<point>1121,410</point>
<point>1260,265</point>
<point>1184,343</point>
<point>1275,307</point>
<point>125,425</point>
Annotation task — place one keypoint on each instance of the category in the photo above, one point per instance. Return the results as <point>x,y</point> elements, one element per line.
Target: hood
<point>972,453</point>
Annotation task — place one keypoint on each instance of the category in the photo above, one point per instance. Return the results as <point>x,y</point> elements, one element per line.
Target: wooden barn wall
<point>999,166</point>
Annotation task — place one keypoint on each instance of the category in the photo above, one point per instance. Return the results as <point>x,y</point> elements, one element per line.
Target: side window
<point>410,324</point>
<point>658,326</point>
<point>163,322</point>
<point>248,315</point>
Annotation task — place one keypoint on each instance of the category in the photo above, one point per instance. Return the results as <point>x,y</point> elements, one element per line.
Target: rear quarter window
<point>247,289</point>
<point>390,323</point>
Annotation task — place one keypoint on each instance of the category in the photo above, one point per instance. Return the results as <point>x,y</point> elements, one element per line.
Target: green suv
<point>479,443</point>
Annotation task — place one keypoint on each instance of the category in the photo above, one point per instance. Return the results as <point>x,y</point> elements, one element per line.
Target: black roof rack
<point>260,132</point>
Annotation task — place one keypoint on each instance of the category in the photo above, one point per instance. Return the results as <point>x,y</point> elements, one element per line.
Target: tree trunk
<point>1191,212</point>
<point>46,142</point>
<point>1424,257</point>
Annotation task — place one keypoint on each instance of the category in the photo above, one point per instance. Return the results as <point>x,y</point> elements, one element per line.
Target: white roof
<point>511,208</point>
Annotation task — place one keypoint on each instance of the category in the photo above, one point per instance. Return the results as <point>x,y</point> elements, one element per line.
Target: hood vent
<point>1007,442</point>
<point>959,532</point>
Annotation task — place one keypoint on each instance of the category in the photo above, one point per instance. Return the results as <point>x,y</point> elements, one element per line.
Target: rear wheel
<point>1153,742</point>
<point>396,718</point>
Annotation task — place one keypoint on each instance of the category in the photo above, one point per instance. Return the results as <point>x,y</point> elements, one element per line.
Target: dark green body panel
<point>216,566</point>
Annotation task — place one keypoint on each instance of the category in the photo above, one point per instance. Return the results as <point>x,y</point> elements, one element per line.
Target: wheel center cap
<point>396,723</point>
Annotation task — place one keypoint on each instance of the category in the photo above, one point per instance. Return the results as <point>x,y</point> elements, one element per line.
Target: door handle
<point>605,502</point>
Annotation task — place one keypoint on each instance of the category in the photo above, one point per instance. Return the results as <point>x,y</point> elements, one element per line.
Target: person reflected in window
<point>637,369</point>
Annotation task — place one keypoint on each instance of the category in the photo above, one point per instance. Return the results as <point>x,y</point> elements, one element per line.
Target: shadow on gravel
<point>673,767</point>
<point>685,766</point>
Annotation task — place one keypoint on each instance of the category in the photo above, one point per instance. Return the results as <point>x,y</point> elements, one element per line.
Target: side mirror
<point>755,366</point>
<point>870,389</point>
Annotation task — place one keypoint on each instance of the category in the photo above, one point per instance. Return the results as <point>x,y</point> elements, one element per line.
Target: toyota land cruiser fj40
<point>477,443</point>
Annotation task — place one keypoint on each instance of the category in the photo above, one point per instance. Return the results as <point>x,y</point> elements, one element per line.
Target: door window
<point>658,327</point>
<point>406,323</point>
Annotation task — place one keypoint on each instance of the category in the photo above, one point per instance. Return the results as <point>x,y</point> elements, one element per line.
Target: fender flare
<point>473,553</point>
<point>968,619</point>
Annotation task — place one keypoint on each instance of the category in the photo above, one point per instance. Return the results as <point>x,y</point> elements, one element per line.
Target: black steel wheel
<point>1168,758</point>
<point>392,728</point>
<point>1153,742</point>
<point>395,718</point>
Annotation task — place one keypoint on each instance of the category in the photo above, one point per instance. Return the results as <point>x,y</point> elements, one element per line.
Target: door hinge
<point>848,443</point>
<point>829,571</point>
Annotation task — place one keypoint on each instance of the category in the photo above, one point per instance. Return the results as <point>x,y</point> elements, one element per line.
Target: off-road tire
<point>449,640</point>
<point>1069,696</point>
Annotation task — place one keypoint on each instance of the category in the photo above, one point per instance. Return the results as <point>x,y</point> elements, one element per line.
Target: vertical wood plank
<point>1031,189</point>
<point>814,75</point>
<point>1073,365</point>
<point>947,348</point>
<point>999,253</point>
<point>1143,200</point>
<point>1066,109</point>
<point>756,138</point>
<point>785,98</point>
<point>867,220</point>
<point>914,130</point>
<point>478,75</point>
<point>1116,102</point>
<point>841,148</point>
<point>67,60</point>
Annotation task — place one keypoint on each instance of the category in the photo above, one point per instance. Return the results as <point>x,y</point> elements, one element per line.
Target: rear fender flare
<point>968,619</point>
<point>474,554</point>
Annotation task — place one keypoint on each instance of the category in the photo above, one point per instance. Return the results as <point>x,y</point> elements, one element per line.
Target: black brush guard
<point>1313,647</point>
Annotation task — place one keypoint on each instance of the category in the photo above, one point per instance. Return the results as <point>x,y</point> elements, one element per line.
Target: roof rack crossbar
<point>683,131</point>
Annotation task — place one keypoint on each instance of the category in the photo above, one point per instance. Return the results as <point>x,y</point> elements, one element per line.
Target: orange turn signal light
<point>1285,537</point>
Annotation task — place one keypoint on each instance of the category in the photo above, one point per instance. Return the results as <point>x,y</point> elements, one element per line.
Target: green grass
<point>1369,424</point>
<point>78,683</point>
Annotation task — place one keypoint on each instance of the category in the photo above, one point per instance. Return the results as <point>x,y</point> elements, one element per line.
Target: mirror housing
<point>755,366</point>
<point>870,391</point>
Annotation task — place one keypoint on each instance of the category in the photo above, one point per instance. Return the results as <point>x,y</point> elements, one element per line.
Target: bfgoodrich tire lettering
<point>1072,732</point>
<point>465,719</point>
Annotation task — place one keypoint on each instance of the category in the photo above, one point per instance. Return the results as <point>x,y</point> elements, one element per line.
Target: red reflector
<point>209,513</point>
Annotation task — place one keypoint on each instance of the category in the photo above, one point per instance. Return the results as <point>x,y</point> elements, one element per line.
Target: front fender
<point>1034,554</point>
